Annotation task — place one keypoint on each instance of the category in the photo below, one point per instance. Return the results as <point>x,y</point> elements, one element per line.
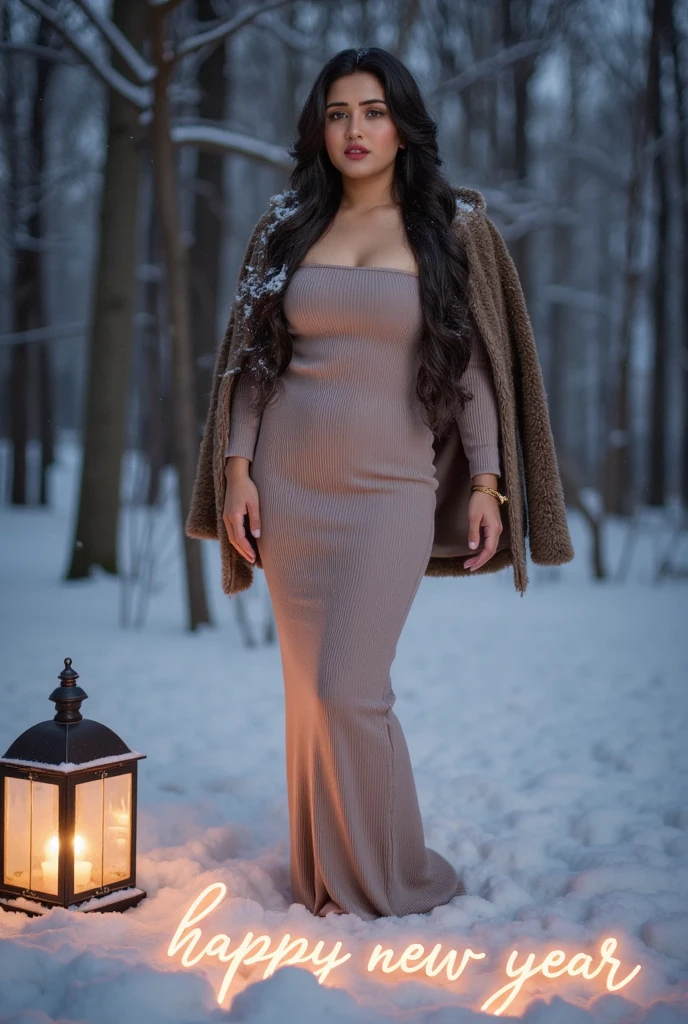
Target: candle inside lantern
<point>82,868</point>
<point>121,818</point>
<point>49,867</point>
<point>121,813</point>
<point>120,830</point>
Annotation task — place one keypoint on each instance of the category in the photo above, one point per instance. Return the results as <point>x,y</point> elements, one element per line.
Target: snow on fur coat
<point>530,474</point>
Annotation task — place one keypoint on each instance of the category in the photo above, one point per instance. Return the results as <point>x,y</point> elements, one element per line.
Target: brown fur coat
<point>530,475</point>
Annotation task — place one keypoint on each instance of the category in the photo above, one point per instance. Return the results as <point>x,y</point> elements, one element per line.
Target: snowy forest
<point>140,141</point>
<point>140,144</point>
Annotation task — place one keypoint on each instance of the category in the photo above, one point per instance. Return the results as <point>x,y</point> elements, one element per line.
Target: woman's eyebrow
<point>343,103</point>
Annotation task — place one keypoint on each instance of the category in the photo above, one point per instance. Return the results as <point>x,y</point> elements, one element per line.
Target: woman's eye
<point>333,116</point>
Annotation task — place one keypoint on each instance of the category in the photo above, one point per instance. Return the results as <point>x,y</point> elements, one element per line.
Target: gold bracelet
<point>501,498</point>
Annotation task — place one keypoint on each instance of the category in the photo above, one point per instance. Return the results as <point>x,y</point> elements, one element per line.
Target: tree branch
<point>54,332</point>
<point>164,6</point>
<point>298,42</point>
<point>493,65</point>
<point>139,67</point>
<point>227,28</point>
<point>210,136</point>
<point>139,96</point>
<point>42,52</point>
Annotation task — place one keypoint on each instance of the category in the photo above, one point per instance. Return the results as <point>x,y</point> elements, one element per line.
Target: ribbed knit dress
<point>343,464</point>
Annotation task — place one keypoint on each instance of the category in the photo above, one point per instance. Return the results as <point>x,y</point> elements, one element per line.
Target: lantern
<point>68,813</point>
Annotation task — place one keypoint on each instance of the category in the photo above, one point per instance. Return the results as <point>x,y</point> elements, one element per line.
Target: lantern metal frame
<point>81,768</point>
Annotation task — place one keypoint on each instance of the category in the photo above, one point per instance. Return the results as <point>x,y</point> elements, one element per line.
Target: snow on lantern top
<point>68,740</point>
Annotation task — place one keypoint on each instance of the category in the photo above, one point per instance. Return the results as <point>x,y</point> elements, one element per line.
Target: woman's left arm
<point>479,421</point>
<point>479,429</point>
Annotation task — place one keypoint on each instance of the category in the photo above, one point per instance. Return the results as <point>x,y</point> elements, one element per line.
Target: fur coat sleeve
<point>202,520</point>
<point>499,306</point>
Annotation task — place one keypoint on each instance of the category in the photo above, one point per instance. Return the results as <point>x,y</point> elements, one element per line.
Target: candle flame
<point>52,847</point>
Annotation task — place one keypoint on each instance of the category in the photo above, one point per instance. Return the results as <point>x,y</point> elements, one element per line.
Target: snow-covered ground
<point>548,738</point>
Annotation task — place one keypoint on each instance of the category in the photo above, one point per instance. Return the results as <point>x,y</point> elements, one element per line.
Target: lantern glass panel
<point>45,836</point>
<point>32,831</point>
<point>17,832</point>
<point>88,835</point>
<point>117,837</point>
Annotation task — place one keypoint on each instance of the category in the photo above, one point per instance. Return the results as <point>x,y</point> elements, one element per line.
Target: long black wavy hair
<point>427,204</point>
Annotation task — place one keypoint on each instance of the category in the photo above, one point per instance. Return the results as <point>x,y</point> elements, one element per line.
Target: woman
<point>358,361</point>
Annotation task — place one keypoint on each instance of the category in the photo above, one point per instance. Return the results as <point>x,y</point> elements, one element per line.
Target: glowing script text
<point>254,949</point>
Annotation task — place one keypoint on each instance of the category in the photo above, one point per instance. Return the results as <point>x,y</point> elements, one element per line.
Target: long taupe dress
<point>343,464</point>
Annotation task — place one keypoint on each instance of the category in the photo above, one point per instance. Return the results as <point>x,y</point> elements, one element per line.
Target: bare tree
<point>563,269</point>
<point>616,468</point>
<point>151,93</point>
<point>29,385</point>
<point>662,279</point>
<point>524,22</point>
<point>682,172</point>
<point>208,218</point>
<point>104,433</point>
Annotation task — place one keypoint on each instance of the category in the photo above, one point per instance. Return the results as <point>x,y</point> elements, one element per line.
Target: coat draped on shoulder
<point>530,474</point>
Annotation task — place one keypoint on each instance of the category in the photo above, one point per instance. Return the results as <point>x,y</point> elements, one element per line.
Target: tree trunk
<point>660,284</point>
<point>154,395</point>
<point>563,272</point>
<point>45,416</point>
<point>521,75</point>
<point>206,252</point>
<point>177,281</point>
<point>29,311</point>
<point>104,426</point>
<point>18,386</point>
<point>605,367</point>
<point>682,166</point>
<point>616,470</point>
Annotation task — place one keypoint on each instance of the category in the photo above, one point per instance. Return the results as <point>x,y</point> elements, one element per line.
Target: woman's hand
<point>483,510</point>
<point>241,497</point>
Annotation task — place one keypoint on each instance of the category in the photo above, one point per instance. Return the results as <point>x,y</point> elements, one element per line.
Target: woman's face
<point>356,115</point>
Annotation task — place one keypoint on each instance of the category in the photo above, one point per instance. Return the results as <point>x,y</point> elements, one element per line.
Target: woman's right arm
<point>241,495</point>
<point>244,423</point>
